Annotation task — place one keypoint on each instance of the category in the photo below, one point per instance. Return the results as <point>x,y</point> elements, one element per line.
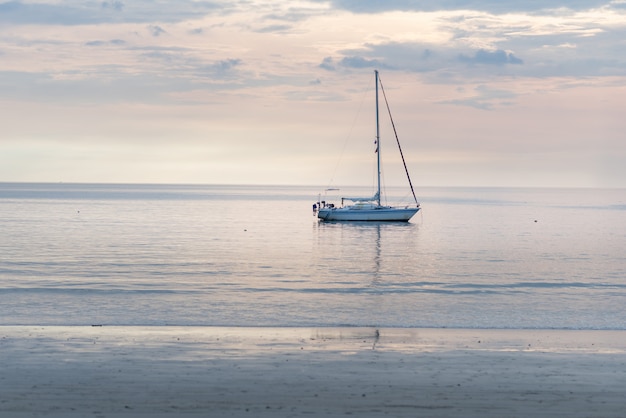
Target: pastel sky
<point>483,93</point>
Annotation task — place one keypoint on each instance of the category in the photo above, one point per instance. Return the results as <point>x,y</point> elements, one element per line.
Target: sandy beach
<point>102,371</point>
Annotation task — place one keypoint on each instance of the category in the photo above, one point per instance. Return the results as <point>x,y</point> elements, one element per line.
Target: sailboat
<point>370,208</point>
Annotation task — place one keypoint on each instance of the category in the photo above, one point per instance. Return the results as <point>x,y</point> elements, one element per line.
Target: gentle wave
<point>405,288</point>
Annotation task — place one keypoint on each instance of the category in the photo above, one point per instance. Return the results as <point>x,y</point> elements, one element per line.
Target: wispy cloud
<point>274,29</point>
<point>492,6</point>
<point>112,42</point>
<point>115,5</point>
<point>353,61</point>
<point>484,98</point>
<point>156,30</point>
<point>80,12</point>
<point>497,57</point>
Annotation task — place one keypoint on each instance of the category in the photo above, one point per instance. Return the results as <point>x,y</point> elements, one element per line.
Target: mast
<point>377,142</point>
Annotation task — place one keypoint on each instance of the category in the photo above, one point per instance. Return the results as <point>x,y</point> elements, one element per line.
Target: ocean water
<point>80,254</point>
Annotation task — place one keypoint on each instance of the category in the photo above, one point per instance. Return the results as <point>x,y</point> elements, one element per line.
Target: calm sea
<point>75,254</point>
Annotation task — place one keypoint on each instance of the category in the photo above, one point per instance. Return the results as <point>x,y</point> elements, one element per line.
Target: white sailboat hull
<point>380,214</point>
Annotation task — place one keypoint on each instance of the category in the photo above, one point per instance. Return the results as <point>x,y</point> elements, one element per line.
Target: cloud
<point>78,12</point>
<point>113,42</point>
<point>223,67</point>
<point>182,63</point>
<point>419,57</point>
<point>361,62</point>
<point>328,64</point>
<point>17,12</point>
<point>156,30</point>
<point>353,61</point>
<point>560,54</point>
<point>486,98</point>
<point>274,29</point>
<point>491,6</point>
<point>409,56</point>
<point>115,5</point>
<point>111,85</point>
<point>294,14</point>
<point>162,73</point>
<point>497,57</point>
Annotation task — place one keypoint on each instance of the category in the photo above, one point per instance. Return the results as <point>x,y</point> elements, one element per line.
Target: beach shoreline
<point>135,371</point>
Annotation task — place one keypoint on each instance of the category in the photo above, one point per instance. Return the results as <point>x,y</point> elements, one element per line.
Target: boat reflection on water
<point>369,249</point>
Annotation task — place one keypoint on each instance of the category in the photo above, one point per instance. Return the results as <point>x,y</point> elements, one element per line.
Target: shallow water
<point>255,256</point>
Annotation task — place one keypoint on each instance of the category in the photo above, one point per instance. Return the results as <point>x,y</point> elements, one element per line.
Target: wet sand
<point>291,372</point>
